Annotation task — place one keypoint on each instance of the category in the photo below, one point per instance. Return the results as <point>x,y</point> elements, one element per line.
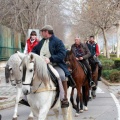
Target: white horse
<point>39,88</point>
<point>13,74</point>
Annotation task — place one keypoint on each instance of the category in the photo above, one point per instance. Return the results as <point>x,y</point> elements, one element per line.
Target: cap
<point>47,27</point>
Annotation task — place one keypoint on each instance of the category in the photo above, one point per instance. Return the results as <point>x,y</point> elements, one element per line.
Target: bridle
<point>31,84</point>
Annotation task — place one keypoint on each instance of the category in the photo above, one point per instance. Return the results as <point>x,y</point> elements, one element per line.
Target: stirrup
<point>92,84</point>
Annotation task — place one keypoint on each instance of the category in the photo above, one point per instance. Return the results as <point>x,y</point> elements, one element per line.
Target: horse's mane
<point>40,67</point>
<point>71,54</point>
<point>13,62</point>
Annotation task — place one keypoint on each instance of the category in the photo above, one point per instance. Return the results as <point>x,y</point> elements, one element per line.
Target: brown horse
<point>94,68</point>
<point>81,81</point>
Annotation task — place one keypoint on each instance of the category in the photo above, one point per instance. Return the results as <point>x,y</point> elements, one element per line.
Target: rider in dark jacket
<point>82,54</point>
<point>54,49</point>
<point>95,52</point>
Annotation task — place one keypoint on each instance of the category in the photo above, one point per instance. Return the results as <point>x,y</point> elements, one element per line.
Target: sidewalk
<point>114,88</point>
<point>7,92</point>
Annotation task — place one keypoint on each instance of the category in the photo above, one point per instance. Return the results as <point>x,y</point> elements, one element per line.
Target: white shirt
<point>45,49</point>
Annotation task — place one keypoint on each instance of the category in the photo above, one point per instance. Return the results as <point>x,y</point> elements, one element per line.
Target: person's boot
<point>71,81</point>
<point>64,102</point>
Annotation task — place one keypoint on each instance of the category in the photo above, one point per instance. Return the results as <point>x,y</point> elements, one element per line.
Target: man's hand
<point>77,58</point>
<point>80,58</point>
<point>47,60</point>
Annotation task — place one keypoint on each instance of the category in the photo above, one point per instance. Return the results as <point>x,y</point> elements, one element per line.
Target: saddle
<point>55,81</point>
<point>83,67</point>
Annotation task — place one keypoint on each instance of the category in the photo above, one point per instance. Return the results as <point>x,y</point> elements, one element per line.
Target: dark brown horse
<point>94,68</point>
<point>81,81</point>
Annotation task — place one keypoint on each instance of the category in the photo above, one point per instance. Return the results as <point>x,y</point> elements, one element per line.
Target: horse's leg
<point>56,111</point>
<point>85,96</point>
<point>30,116</point>
<point>19,91</point>
<point>72,100</point>
<point>90,94</point>
<point>43,112</point>
<point>67,113</point>
<point>81,102</point>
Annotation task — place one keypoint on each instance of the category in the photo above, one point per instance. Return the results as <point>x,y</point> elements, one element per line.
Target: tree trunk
<point>104,50</point>
<point>118,39</point>
<point>106,45</point>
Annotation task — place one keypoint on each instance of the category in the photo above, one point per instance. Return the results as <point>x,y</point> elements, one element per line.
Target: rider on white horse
<point>54,52</point>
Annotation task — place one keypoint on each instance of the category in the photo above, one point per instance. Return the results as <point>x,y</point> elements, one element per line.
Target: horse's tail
<point>7,73</point>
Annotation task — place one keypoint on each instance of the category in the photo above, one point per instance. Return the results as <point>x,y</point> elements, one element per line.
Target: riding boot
<point>71,81</point>
<point>64,102</point>
<point>91,82</point>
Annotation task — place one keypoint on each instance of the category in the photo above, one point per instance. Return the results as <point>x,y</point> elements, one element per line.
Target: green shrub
<point>113,55</point>
<point>117,62</point>
<point>115,76</point>
<point>107,64</point>
<point>106,73</point>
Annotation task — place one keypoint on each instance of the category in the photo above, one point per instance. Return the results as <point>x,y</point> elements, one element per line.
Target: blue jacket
<point>57,51</point>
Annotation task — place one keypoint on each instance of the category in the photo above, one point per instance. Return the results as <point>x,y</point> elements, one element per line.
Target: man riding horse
<point>53,49</point>
<point>82,54</point>
<point>95,52</point>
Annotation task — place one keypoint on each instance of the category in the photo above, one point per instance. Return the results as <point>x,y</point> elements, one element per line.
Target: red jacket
<point>30,45</point>
<point>97,50</point>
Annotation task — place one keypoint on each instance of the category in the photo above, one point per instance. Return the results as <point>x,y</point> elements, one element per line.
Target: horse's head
<point>12,72</point>
<point>27,69</point>
<point>69,58</point>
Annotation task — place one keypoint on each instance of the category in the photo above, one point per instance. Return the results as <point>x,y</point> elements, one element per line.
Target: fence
<point>10,41</point>
<point>6,52</point>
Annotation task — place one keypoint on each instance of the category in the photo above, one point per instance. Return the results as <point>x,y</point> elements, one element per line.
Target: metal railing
<point>6,52</point>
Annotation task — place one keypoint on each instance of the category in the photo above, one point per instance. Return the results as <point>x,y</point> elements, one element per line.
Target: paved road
<point>101,108</point>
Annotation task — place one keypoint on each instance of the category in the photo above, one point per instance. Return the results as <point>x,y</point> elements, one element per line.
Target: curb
<point>7,103</point>
<point>110,84</point>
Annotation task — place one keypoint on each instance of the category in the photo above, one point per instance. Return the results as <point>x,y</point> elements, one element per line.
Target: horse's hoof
<point>75,107</point>
<point>81,111</point>
<point>90,98</point>
<point>30,118</point>
<point>85,109</point>
<point>94,96</point>
<point>14,118</point>
<point>77,114</point>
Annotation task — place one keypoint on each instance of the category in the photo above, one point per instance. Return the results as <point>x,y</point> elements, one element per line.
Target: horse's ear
<point>31,58</point>
<point>21,55</point>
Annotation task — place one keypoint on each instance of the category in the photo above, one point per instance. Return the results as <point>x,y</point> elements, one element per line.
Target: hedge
<point>107,64</point>
<point>117,62</point>
<point>115,76</point>
<point>106,73</point>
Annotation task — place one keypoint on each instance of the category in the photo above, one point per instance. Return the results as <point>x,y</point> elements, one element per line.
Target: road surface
<point>104,107</point>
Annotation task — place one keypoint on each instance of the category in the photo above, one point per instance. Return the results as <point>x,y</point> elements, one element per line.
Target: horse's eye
<point>31,70</point>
